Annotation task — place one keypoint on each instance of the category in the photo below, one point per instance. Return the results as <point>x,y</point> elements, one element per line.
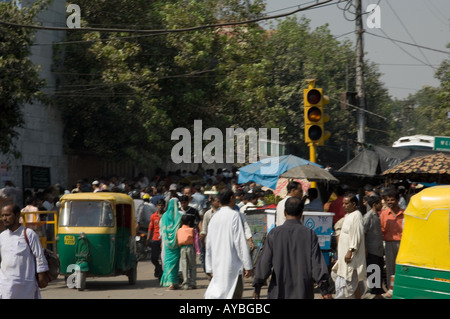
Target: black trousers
<point>376,260</point>
<point>156,253</point>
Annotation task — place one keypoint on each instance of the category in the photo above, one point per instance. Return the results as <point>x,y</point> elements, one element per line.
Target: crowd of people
<point>186,215</point>
<point>368,232</point>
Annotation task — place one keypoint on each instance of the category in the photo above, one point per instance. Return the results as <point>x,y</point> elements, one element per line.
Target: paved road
<point>147,287</point>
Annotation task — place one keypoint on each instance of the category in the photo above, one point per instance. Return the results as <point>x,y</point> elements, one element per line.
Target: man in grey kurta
<point>374,244</point>
<point>291,254</point>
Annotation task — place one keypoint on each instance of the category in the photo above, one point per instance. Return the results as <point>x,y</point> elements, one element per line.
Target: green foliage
<point>271,199</point>
<point>128,93</point>
<point>19,79</point>
<point>123,94</point>
<point>425,112</point>
<point>109,88</point>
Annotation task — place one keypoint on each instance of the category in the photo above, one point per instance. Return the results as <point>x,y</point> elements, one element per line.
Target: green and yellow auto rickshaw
<point>423,261</point>
<point>96,237</point>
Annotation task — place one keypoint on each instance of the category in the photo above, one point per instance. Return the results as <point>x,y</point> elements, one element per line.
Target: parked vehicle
<point>96,236</point>
<point>143,252</point>
<point>423,261</point>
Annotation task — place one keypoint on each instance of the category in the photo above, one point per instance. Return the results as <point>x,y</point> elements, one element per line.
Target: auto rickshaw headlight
<point>82,235</point>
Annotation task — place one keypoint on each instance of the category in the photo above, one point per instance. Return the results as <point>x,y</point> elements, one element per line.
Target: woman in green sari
<point>169,224</point>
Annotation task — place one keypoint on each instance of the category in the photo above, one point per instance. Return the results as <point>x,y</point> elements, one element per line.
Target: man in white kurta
<point>226,250</point>
<point>294,189</point>
<point>19,263</point>
<point>350,268</point>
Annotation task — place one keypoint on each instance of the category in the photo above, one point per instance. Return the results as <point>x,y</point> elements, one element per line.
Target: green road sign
<point>442,143</point>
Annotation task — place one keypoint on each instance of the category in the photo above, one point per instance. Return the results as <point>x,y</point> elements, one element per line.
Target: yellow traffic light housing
<point>314,101</point>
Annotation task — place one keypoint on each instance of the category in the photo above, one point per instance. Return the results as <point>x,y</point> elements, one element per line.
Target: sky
<point>405,69</point>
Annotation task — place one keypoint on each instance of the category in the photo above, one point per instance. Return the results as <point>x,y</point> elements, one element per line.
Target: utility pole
<point>361,119</point>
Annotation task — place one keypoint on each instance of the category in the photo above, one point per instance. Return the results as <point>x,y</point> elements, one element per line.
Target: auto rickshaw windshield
<point>86,214</point>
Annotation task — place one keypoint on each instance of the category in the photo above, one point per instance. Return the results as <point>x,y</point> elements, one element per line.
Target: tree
<point>443,96</point>
<point>108,85</point>
<point>19,78</point>
<point>123,94</point>
<point>298,53</point>
<point>425,112</point>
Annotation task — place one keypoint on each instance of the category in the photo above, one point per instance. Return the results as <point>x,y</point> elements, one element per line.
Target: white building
<point>42,162</point>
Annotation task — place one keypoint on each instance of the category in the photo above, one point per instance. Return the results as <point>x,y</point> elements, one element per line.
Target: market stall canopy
<point>267,171</point>
<point>310,172</point>
<point>434,168</point>
<point>281,189</point>
<point>380,158</point>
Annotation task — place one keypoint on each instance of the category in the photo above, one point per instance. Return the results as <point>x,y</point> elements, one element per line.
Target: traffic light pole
<point>312,158</point>
<point>312,152</point>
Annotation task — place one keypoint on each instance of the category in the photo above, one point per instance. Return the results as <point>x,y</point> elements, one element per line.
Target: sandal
<point>173,287</point>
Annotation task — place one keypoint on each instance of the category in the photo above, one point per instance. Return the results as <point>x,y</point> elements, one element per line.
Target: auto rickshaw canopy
<point>125,217</point>
<point>118,198</point>
<point>426,234</point>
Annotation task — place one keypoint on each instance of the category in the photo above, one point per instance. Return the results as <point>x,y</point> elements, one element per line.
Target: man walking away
<point>374,241</point>
<point>293,257</point>
<point>226,251</point>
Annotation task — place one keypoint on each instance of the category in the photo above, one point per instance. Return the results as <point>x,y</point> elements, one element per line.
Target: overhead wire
<point>439,14</point>
<point>359,108</point>
<point>166,31</point>
<point>407,31</point>
<point>92,86</point>
<point>408,43</point>
<point>403,64</point>
<point>349,4</point>
<point>74,88</point>
<point>347,8</point>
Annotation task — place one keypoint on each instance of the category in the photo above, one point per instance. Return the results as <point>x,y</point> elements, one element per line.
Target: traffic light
<point>314,101</point>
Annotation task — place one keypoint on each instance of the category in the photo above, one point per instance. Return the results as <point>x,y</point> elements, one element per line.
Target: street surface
<point>147,287</point>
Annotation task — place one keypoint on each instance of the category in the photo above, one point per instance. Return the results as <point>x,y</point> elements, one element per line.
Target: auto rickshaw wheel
<point>132,275</point>
<point>82,285</point>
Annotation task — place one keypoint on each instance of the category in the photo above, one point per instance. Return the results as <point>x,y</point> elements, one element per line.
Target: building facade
<point>42,162</point>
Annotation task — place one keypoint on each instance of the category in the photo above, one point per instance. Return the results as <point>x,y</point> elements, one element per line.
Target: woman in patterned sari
<point>170,222</point>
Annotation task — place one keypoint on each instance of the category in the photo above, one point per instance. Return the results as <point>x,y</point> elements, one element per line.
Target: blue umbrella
<point>267,171</point>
